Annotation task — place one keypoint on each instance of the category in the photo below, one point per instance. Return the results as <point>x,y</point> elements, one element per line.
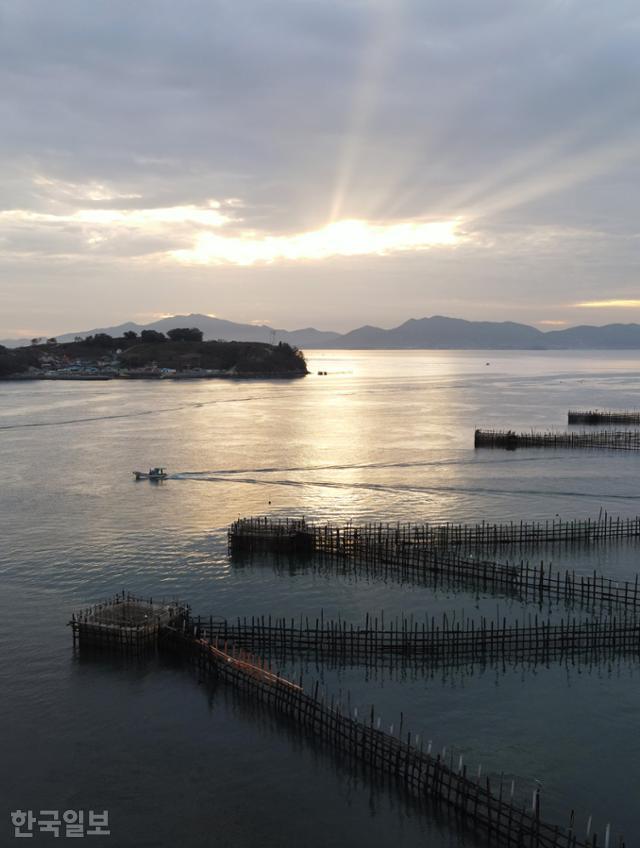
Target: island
<point>180,354</point>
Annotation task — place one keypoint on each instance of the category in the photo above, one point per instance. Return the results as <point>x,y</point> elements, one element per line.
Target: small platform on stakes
<point>126,622</point>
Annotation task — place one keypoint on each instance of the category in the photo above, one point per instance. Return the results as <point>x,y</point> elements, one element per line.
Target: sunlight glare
<point>615,303</point>
<point>342,238</point>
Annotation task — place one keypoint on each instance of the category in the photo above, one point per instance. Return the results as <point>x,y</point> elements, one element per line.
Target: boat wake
<point>400,487</point>
<point>137,414</point>
<point>431,463</point>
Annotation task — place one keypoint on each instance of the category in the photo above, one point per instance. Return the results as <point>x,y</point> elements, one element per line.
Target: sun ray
<point>383,41</point>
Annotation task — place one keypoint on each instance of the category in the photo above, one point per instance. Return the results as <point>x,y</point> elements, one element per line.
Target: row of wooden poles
<point>439,644</point>
<point>525,533</point>
<point>447,534</point>
<point>392,551</point>
<point>230,651</point>
<point>403,549</point>
<point>626,440</point>
<point>425,775</point>
<point>604,416</point>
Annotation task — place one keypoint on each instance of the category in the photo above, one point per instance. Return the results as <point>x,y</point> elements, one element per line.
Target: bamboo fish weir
<point>487,809</point>
<point>288,533</point>
<point>405,549</point>
<point>602,619</point>
<point>621,440</point>
<point>439,644</point>
<point>604,416</point>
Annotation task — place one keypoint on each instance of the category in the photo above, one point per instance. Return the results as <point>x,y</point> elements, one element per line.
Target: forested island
<point>179,354</point>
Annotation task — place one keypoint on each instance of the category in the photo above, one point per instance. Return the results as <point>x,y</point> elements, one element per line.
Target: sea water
<point>383,436</point>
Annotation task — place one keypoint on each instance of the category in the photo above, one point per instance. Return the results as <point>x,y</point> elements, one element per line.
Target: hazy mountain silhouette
<point>437,332</point>
<point>212,328</point>
<point>610,336</point>
<point>441,332</point>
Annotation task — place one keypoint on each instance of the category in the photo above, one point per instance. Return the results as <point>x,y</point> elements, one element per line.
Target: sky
<point>325,163</point>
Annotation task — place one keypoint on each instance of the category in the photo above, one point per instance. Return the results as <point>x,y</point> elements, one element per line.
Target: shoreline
<point>103,378</point>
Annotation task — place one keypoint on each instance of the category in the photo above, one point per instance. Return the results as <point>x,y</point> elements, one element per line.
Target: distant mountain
<point>609,337</point>
<point>437,332</point>
<point>218,328</point>
<point>212,328</point>
<point>441,332</point>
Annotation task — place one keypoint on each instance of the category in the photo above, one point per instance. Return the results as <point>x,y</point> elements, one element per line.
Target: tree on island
<point>100,340</point>
<point>152,336</point>
<point>185,334</point>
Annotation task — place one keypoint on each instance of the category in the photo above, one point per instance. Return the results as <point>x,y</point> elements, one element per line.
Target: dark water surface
<point>384,435</point>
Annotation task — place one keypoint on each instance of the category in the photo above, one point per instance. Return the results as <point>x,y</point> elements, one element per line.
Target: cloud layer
<point>274,158</point>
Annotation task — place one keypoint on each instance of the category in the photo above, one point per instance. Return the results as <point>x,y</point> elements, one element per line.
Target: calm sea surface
<point>385,435</point>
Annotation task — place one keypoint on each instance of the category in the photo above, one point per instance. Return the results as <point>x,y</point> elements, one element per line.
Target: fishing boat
<point>152,474</point>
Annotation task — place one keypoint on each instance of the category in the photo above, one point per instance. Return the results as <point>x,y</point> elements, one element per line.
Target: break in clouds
<point>334,163</point>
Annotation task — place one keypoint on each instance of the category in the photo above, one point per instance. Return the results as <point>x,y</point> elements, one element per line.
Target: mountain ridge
<point>437,332</point>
